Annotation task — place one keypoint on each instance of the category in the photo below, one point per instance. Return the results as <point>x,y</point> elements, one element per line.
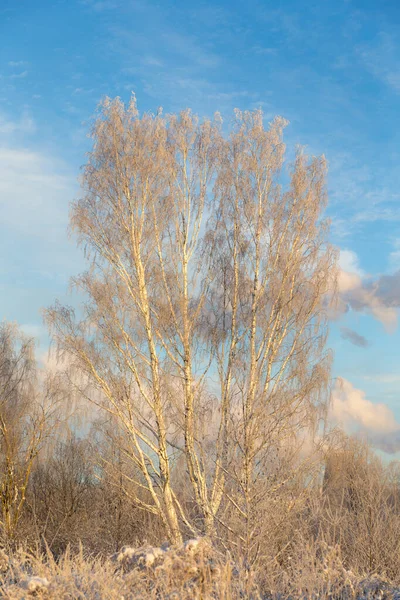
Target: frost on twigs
<point>185,557</point>
<point>191,545</point>
<point>145,557</point>
<point>188,566</point>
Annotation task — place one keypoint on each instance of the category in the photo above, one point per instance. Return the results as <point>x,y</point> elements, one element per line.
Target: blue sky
<point>331,67</point>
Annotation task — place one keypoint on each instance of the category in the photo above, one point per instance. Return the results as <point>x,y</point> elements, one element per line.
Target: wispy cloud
<point>190,48</point>
<point>25,125</point>
<point>35,188</point>
<point>177,64</point>
<point>394,256</point>
<point>361,194</point>
<point>101,5</point>
<point>21,75</point>
<point>264,50</point>
<point>385,378</point>
<point>29,186</point>
<point>381,58</point>
<point>152,61</point>
<point>17,63</point>
<point>378,213</point>
<point>36,257</point>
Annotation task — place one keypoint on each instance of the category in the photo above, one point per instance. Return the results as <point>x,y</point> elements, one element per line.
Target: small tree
<point>26,410</point>
<point>201,269</point>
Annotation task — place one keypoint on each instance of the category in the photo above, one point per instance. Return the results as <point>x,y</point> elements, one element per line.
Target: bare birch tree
<point>272,269</point>
<point>202,269</point>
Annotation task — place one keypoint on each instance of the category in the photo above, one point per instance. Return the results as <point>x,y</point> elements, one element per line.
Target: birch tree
<point>273,268</point>
<point>204,328</point>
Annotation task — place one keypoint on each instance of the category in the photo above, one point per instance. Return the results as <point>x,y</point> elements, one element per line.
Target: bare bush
<point>360,509</point>
<point>27,413</point>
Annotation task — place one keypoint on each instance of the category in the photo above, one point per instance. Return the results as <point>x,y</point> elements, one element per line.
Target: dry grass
<point>188,572</point>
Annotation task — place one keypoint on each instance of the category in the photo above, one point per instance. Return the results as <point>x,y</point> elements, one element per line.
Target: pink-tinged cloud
<point>351,408</point>
<point>357,415</point>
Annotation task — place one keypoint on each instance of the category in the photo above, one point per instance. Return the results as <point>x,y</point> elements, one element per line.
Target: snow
<point>34,584</point>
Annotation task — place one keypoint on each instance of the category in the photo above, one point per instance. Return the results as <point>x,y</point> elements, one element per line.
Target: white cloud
<point>357,415</point>
<point>352,409</point>
<point>349,262</point>
<point>375,296</point>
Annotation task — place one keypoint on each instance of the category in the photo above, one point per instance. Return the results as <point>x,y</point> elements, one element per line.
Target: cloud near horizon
<point>357,415</point>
